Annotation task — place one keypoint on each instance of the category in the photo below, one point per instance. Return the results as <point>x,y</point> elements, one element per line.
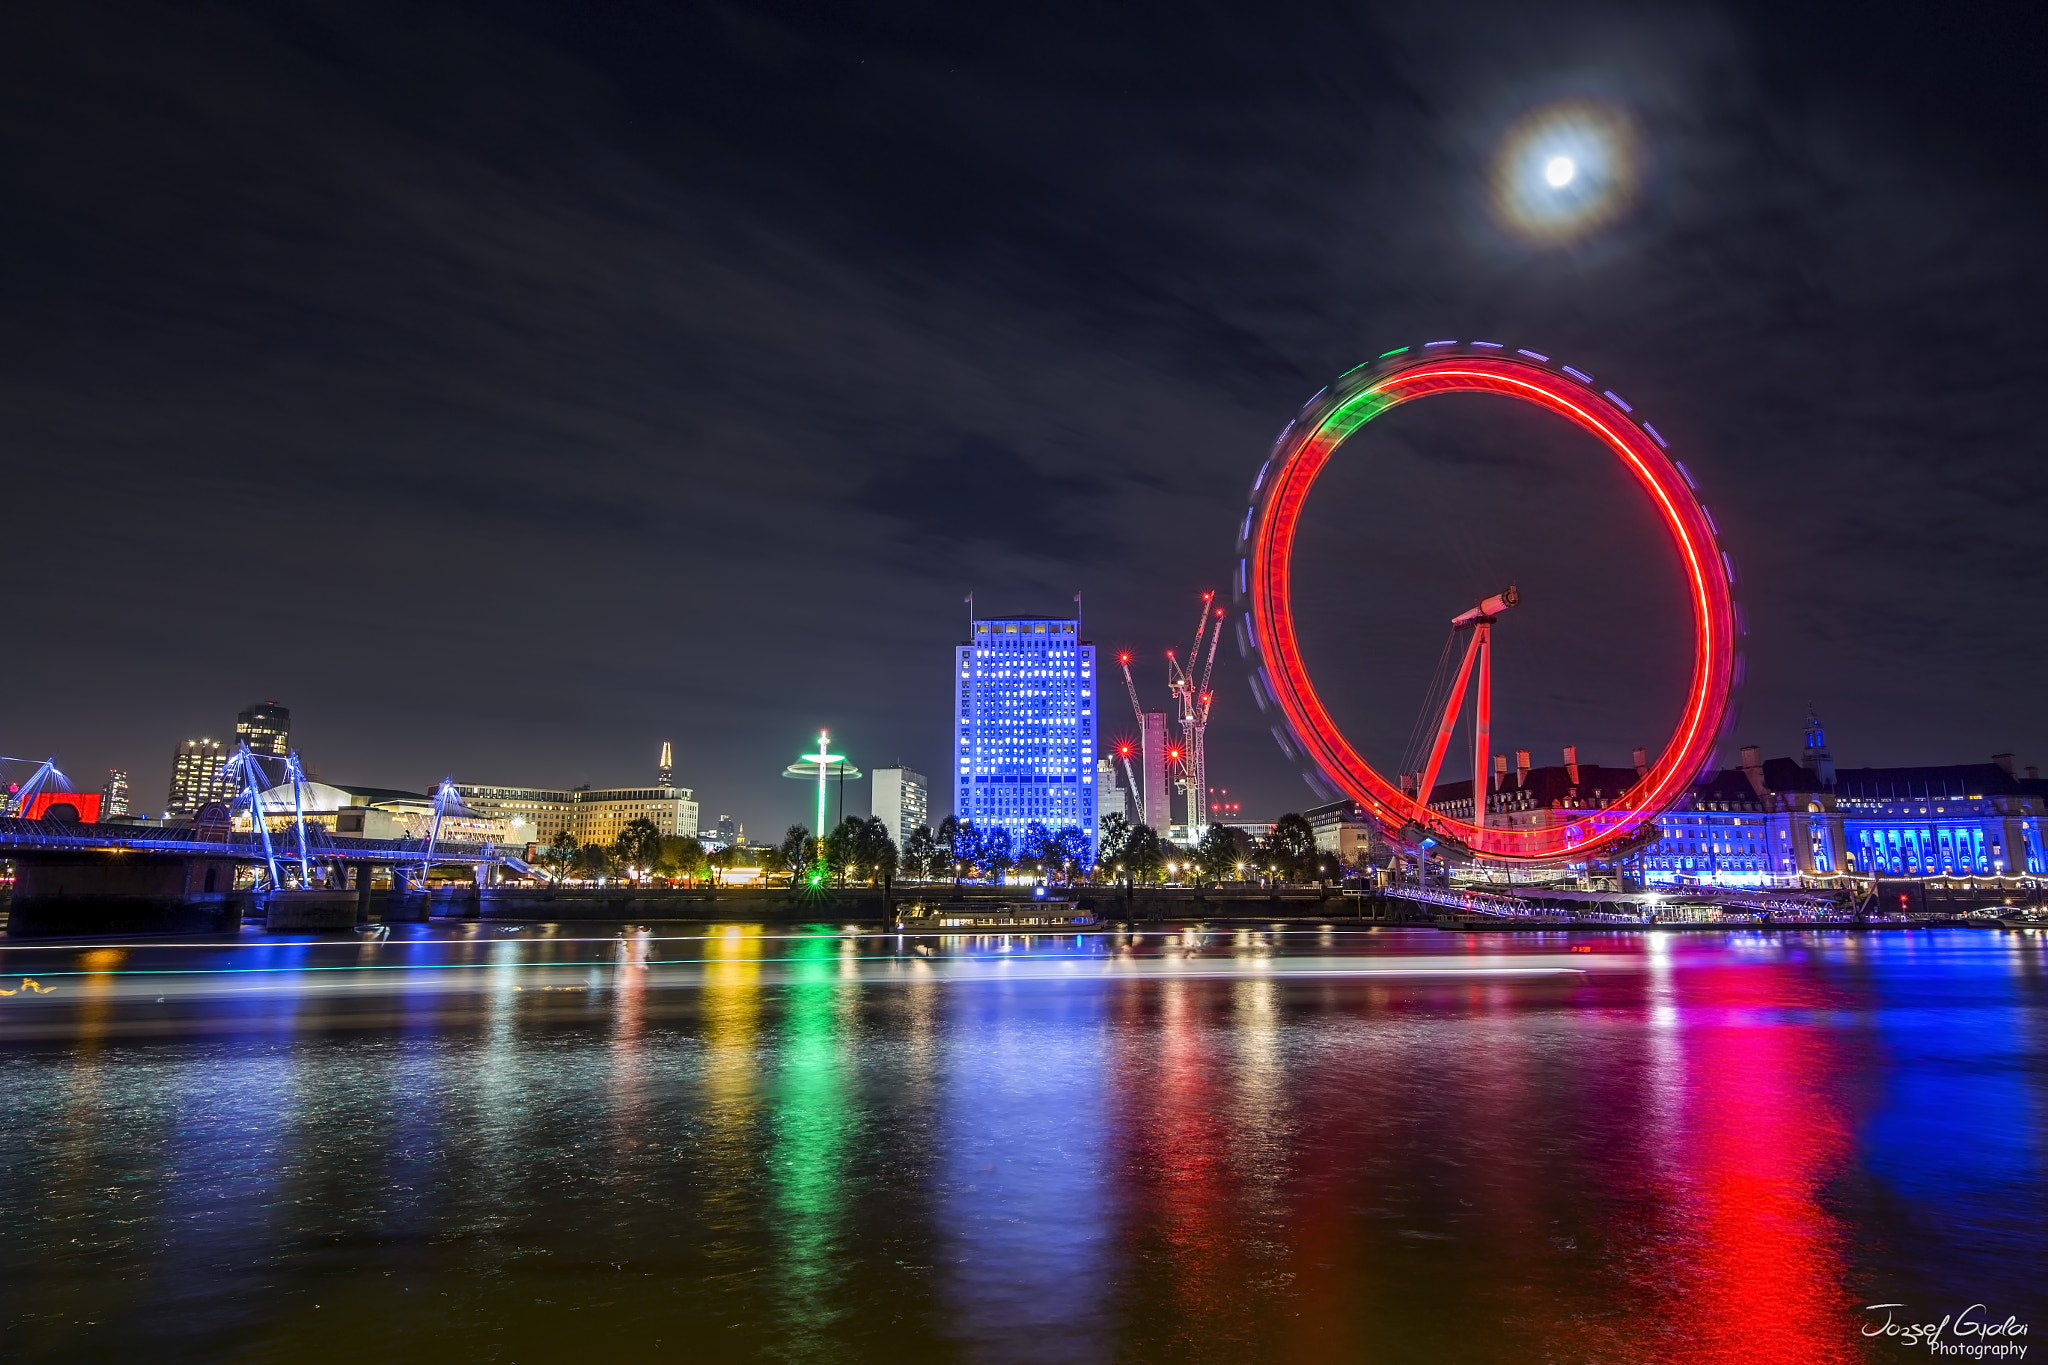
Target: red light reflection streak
<point>1504,1092</point>
<point>1756,1271</point>
<point>1259,1147</point>
<point>1181,1191</point>
<point>1191,1139</point>
<point>1332,1285</point>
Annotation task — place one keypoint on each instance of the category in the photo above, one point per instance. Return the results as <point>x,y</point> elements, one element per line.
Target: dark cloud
<point>511,387</point>
<point>983,495</point>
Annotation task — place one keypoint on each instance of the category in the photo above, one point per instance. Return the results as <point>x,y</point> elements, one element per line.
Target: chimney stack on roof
<point>1500,772</point>
<point>2004,761</point>
<point>1521,767</point>
<point>1753,767</point>
<point>1571,762</point>
<point>1641,758</point>
<point>2033,773</point>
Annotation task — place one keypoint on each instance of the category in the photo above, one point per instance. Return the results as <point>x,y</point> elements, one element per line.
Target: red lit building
<point>86,804</point>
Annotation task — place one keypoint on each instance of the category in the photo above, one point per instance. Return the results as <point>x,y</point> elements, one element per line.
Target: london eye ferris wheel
<point>1405,809</point>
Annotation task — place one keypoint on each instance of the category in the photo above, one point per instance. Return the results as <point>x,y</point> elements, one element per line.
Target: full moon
<point>1565,170</point>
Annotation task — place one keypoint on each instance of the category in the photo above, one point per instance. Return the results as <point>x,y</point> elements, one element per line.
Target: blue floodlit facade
<point>1783,822</point>
<point>1965,821</point>
<point>1786,824</point>
<point>1024,726</point>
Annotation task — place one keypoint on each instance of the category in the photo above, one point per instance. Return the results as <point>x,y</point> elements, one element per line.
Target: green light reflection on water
<point>812,1123</point>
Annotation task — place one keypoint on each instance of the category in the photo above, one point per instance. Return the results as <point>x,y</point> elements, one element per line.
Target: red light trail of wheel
<point>1279,678</point>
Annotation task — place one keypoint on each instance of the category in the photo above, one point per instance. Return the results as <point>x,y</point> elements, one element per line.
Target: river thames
<point>740,1143</point>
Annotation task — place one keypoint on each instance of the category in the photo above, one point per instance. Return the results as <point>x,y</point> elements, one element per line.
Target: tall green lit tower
<point>821,767</point>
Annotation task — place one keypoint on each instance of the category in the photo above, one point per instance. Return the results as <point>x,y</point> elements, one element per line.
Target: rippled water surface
<point>738,1143</point>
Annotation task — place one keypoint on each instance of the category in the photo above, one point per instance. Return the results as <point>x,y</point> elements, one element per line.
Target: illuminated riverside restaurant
<point>1787,823</point>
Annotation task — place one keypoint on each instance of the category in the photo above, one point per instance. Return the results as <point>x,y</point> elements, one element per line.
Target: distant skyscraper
<point>724,834</point>
<point>1109,794</point>
<point>114,796</point>
<point>900,801</point>
<point>196,778</point>
<point>1157,797</point>
<point>1024,726</point>
<point>665,776</point>
<point>266,728</point>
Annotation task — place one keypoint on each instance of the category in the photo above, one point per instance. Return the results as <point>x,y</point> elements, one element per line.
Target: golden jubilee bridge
<point>108,877</point>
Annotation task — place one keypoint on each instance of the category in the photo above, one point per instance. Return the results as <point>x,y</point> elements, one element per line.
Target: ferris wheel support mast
<point>1478,657</point>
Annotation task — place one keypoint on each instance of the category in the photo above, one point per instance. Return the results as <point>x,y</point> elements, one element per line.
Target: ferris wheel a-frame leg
<point>1479,653</point>
<point>1482,719</point>
<point>1455,704</point>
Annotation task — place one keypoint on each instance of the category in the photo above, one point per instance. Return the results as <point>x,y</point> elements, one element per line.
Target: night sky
<point>507,389</point>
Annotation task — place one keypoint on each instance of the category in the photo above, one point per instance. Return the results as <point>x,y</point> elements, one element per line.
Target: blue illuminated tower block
<point>1024,726</point>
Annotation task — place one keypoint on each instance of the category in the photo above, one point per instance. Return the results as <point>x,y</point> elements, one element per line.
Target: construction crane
<point>1137,707</point>
<point>1192,699</point>
<point>1123,753</point>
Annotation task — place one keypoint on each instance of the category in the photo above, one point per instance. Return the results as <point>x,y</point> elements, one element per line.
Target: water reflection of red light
<point>1184,1192</point>
<point>1756,1265</point>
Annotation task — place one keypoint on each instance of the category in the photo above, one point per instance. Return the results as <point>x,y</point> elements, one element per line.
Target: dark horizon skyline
<point>507,389</point>
<point>857,801</point>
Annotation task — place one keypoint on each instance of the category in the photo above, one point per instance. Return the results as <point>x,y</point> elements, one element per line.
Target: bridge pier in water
<point>405,902</point>
<point>131,893</point>
<point>317,908</point>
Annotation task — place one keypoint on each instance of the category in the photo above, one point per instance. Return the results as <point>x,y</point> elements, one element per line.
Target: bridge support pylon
<point>91,893</point>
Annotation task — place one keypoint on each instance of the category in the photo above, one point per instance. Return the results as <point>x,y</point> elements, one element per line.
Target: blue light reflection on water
<point>813,1145</point>
<point>1956,1132</point>
<point>1024,1197</point>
